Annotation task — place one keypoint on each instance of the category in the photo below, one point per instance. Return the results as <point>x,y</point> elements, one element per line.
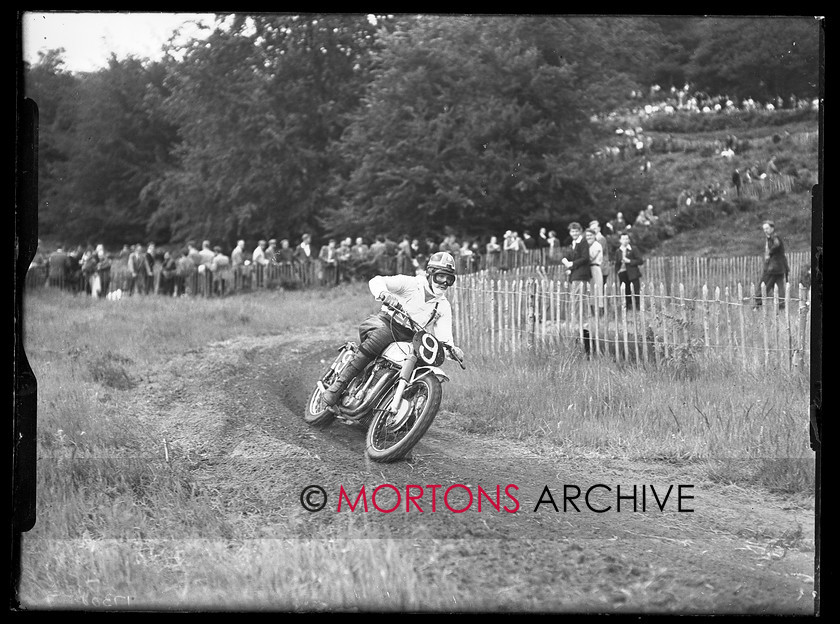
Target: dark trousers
<point>378,331</point>
<point>771,280</point>
<point>633,287</point>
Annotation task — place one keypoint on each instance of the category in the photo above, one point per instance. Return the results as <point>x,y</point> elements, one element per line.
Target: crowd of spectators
<point>152,269</point>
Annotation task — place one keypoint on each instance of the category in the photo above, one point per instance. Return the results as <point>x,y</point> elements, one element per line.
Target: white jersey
<point>427,309</point>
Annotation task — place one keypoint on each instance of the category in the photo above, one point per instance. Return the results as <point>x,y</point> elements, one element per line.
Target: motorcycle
<point>397,395</point>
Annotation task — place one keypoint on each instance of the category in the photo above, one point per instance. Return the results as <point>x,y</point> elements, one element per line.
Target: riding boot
<point>353,368</point>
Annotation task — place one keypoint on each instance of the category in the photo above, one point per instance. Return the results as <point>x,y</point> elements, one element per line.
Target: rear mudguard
<point>423,371</point>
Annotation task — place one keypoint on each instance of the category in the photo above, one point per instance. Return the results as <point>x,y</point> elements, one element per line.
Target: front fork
<point>405,375</point>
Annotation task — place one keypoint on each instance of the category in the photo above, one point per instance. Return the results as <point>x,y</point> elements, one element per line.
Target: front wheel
<point>317,413</point>
<point>391,436</point>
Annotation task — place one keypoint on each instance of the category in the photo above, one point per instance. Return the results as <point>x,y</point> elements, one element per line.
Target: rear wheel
<point>391,436</point>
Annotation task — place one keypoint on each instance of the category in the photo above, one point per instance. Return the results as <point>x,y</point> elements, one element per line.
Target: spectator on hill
<point>627,263</point>
<point>776,268</point>
<point>736,181</point>
<point>237,255</point>
<point>419,256</point>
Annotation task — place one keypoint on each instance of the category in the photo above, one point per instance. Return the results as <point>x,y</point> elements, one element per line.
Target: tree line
<point>349,124</point>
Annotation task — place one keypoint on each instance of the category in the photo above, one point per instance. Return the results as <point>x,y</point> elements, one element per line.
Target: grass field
<point>98,491</point>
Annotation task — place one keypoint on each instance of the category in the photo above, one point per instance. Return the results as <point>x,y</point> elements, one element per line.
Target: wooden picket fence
<point>692,272</point>
<point>495,316</point>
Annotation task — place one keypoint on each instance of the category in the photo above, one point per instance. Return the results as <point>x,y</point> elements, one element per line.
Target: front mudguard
<point>423,371</point>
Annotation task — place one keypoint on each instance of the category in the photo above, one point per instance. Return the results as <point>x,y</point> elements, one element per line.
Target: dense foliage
<point>345,124</point>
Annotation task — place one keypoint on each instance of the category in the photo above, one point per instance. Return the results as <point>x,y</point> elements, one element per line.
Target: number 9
<point>430,344</point>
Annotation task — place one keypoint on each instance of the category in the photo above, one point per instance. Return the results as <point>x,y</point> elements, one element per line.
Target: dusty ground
<point>235,410</point>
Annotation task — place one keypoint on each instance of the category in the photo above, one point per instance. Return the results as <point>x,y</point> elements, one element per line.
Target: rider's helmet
<point>440,270</point>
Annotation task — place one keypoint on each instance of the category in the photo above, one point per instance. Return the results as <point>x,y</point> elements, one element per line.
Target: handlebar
<point>417,327</point>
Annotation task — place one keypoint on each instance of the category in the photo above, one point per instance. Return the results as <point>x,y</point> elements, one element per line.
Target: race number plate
<point>428,349</point>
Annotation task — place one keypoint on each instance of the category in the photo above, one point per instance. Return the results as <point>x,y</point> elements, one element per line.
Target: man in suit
<point>577,262</point>
<point>627,263</point>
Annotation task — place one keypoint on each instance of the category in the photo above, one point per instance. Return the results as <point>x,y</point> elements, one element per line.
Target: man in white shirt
<point>423,297</point>
<point>260,262</point>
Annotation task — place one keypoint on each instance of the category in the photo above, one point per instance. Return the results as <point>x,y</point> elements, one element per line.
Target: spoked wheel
<point>391,436</point>
<point>317,413</point>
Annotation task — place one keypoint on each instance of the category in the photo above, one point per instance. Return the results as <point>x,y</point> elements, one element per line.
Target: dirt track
<point>235,410</point>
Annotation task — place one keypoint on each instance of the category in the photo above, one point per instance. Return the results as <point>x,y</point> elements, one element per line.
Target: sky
<point>90,38</point>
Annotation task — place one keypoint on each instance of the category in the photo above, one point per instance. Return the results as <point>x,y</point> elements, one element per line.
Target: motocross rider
<point>424,299</point>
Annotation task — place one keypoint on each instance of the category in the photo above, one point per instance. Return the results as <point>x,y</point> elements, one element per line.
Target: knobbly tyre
<point>396,397</point>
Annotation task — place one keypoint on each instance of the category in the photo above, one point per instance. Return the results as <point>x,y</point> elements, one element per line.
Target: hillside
<point>691,160</point>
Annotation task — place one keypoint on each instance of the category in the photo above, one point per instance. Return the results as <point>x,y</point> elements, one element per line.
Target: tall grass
<point>750,428</point>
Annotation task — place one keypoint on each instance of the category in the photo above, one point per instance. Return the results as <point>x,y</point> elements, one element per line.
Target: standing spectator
<point>271,252</point>
<point>168,271</point>
<point>303,254</point>
<point>596,261</point>
<point>360,250</point>
<point>329,263</point>
<point>467,257</point>
<point>605,248</point>
<point>492,252</point>
<point>776,267</point>
<point>419,255</point>
<point>240,265</point>
<point>125,252</point>
<point>136,271</point>
<point>237,255</point>
<point>104,269</point>
<point>220,268</point>
<point>508,242</point>
<point>618,224</point>
<point>542,239</point>
<point>74,270</point>
<point>553,244</point>
<point>344,256</point>
<point>57,268</point>
<point>90,261</point>
<point>736,181</point>
<point>184,269</point>
<point>404,256</point>
<point>627,263</point>
<point>149,268</point>
<point>529,241</point>
<point>577,263</point>
<point>260,262</point>
<point>431,247</point>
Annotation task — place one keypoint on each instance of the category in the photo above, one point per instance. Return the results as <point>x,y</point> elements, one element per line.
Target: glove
<point>457,353</point>
<point>388,298</point>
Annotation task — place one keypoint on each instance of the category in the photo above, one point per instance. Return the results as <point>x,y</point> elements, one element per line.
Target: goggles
<point>443,279</point>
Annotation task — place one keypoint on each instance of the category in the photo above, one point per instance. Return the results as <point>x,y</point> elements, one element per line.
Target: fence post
<point>531,285</point>
<point>644,324</point>
<point>743,328</point>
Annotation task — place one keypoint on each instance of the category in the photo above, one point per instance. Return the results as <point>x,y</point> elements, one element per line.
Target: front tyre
<point>391,437</point>
<point>317,413</point>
